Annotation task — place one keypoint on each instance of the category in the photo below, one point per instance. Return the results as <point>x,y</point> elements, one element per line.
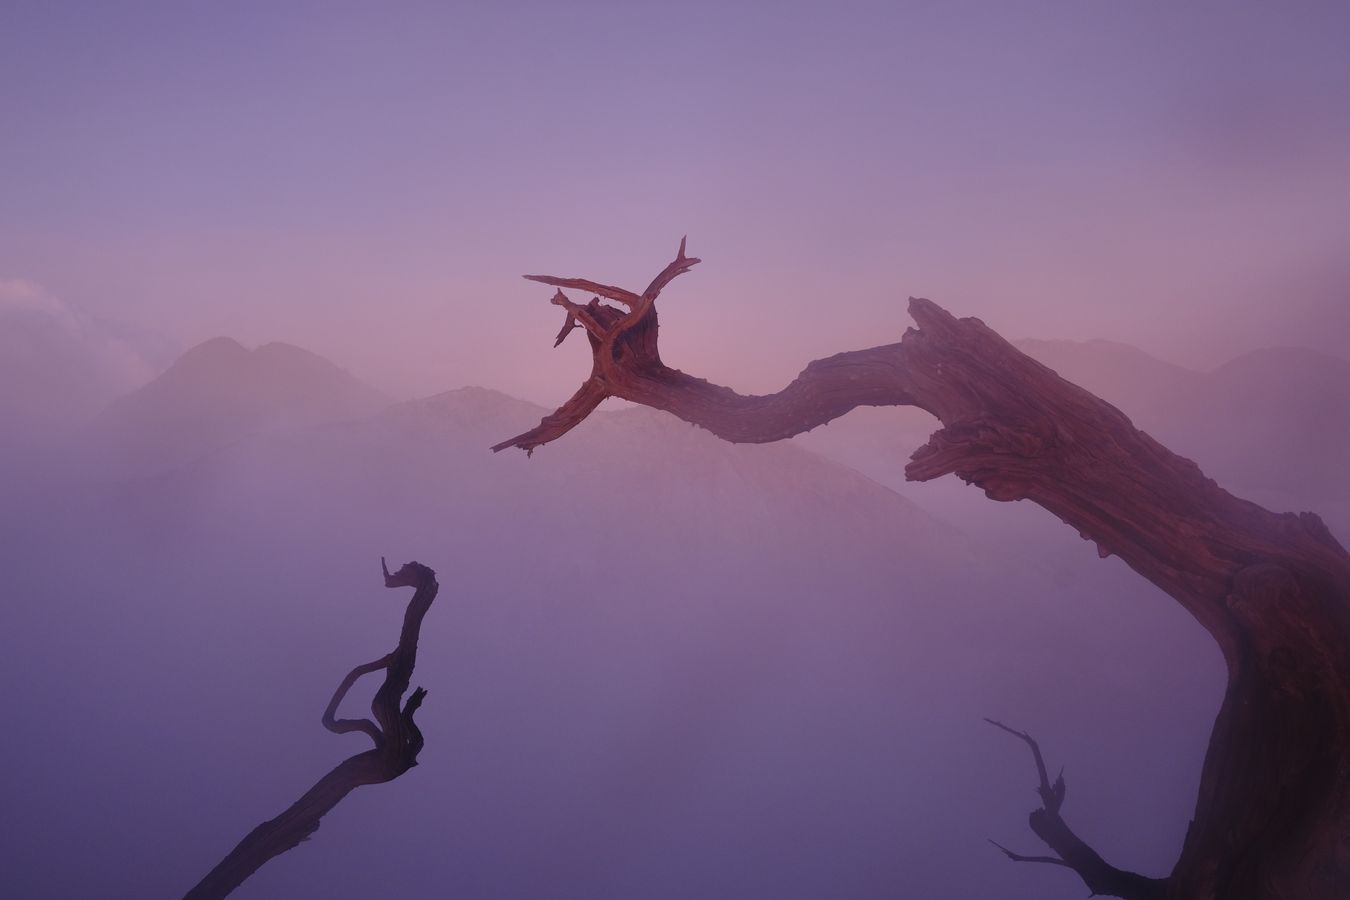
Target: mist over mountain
<point>662,665</point>
<point>217,393</point>
<point>58,367</point>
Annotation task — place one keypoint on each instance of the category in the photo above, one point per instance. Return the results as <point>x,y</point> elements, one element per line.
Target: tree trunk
<point>1272,819</point>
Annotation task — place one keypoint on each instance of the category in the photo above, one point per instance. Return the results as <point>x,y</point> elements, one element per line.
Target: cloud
<point>57,364</point>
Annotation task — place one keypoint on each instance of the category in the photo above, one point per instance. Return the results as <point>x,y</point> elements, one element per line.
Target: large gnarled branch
<point>1273,815</point>
<point>397,739</point>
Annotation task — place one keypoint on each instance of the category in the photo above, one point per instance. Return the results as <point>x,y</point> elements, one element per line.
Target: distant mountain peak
<point>281,348</point>
<point>1302,358</point>
<point>1095,350</point>
<point>221,342</point>
<point>477,392</point>
<point>227,357</point>
<point>211,349</point>
<point>219,391</point>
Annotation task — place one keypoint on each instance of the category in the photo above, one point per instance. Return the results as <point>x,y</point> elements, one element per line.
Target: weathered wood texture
<point>397,740</point>
<point>1272,819</point>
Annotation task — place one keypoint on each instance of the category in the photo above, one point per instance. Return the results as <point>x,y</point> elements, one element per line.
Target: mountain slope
<point>217,393</point>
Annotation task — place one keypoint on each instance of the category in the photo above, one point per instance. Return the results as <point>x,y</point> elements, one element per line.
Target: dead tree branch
<point>1071,851</point>
<point>1273,814</point>
<point>397,741</point>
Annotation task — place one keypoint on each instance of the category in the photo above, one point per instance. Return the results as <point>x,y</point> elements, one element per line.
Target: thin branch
<point>571,414</point>
<point>343,726</point>
<point>673,270</point>
<point>1050,797</point>
<point>1018,857</point>
<point>608,291</point>
<point>643,313</point>
<point>1100,876</point>
<point>569,324</point>
<point>398,741</point>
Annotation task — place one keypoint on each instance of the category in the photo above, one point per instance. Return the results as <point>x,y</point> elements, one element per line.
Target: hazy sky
<point>369,180</point>
<point>784,688</point>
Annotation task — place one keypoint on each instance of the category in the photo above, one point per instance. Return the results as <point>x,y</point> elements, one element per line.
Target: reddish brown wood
<point>1273,589</point>
<point>397,740</point>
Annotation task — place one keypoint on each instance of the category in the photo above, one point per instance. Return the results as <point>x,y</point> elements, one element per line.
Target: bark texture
<point>396,736</point>
<point>1272,819</point>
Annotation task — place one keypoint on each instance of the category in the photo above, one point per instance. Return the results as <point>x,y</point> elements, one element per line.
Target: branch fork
<point>623,342</point>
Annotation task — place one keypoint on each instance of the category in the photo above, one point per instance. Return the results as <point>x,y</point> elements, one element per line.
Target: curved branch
<point>1018,857</point>
<point>677,267</point>
<point>643,308</point>
<point>398,741</point>
<point>1052,796</point>
<point>343,726</point>
<point>1273,590</point>
<point>568,416</point>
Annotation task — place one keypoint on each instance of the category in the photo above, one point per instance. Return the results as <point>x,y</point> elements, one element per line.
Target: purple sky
<point>369,182</point>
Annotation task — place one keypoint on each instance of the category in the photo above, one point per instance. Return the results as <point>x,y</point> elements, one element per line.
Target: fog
<point>260,320</point>
<point>662,665</point>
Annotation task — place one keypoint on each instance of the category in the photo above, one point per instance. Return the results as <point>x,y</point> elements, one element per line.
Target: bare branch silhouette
<point>397,741</point>
<point>1071,851</point>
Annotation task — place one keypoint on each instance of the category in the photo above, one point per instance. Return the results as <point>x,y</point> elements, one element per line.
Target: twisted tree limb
<point>397,741</point>
<point>1272,818</point>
